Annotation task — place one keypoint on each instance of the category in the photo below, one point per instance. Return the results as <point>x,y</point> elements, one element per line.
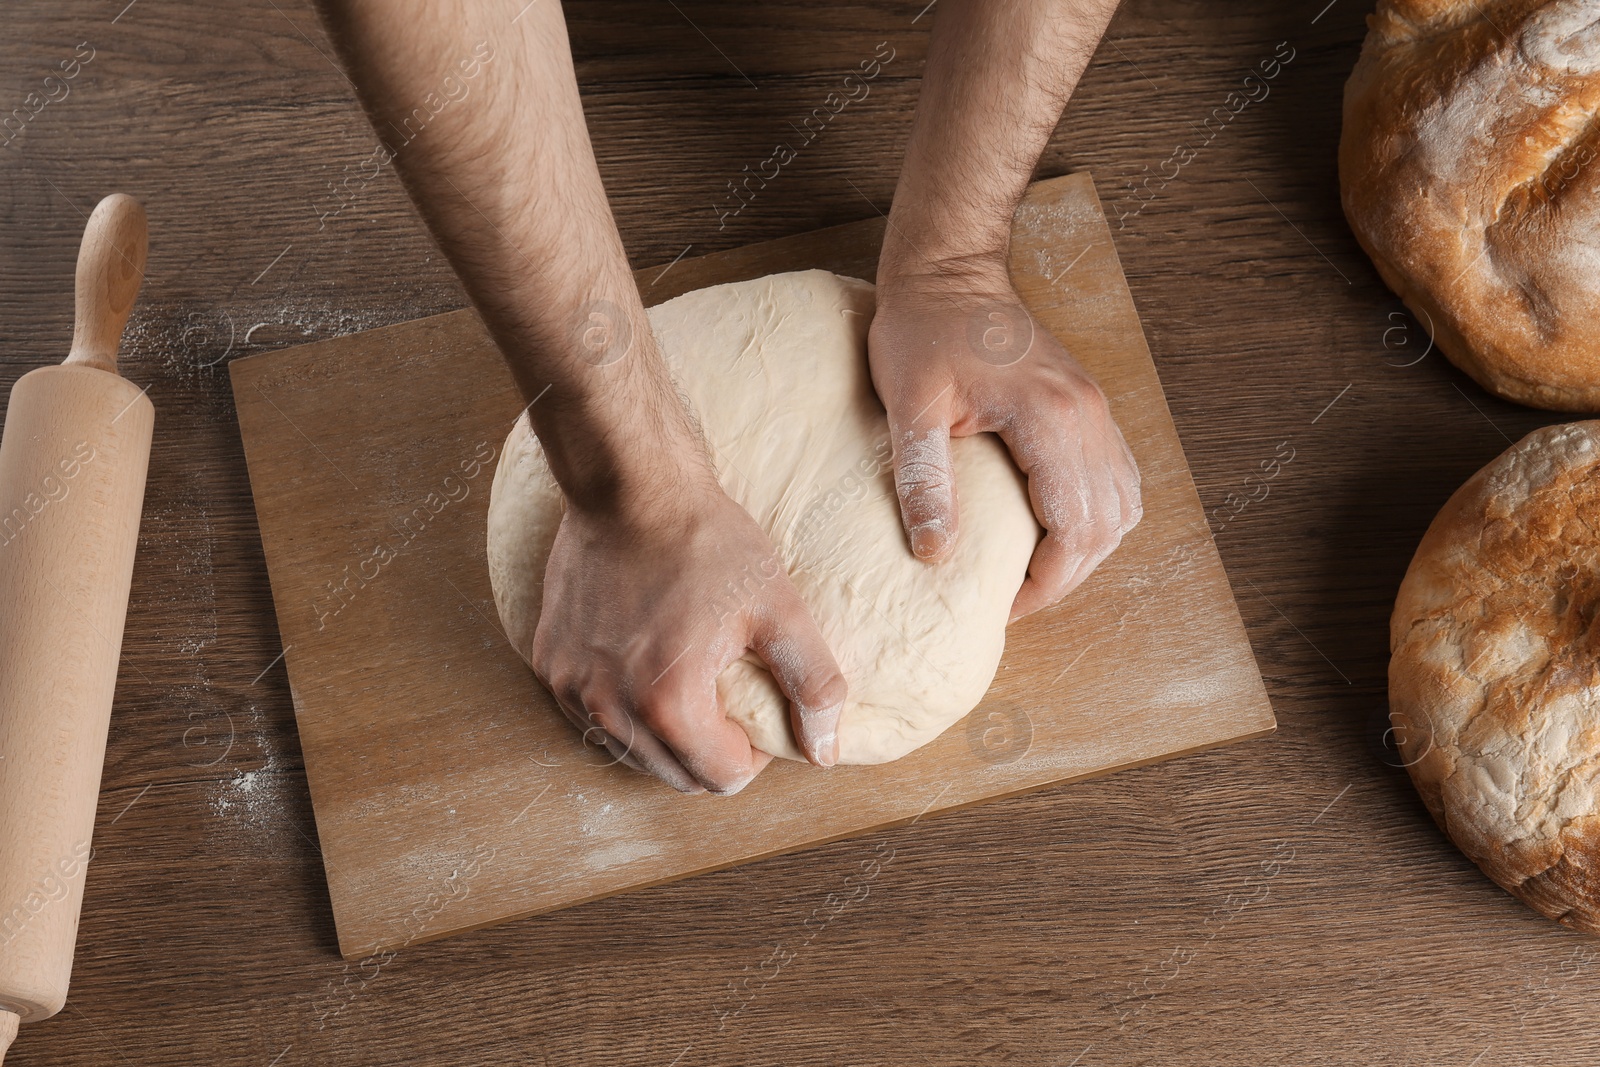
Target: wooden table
<point>1284,901</point>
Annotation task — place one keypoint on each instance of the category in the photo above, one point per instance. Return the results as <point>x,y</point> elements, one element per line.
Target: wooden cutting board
<point>450,794</point>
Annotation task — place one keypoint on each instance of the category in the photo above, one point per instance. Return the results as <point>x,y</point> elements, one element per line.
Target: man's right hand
<point>645,606</point>
<point>657,580</point>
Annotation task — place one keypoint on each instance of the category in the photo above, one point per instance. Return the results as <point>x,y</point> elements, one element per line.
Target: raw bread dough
<point>775,369</point>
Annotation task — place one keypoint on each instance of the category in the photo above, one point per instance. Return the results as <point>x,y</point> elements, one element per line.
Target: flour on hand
<point>775,370</point>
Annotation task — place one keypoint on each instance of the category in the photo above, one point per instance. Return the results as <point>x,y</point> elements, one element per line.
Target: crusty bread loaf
<point>1494,678</point>
<point>1470,170</point>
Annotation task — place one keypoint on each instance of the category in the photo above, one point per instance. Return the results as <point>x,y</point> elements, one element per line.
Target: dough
<point>775,369</point>
<point>1494,677</point>
<point>1470,167</point>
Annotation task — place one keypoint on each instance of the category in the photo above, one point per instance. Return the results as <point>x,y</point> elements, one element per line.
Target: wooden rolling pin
<point>72,469</point>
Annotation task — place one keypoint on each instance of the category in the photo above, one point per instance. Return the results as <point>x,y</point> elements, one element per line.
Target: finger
<point>654,756</point>
<point>1131,504</point>
<point>1059,488</point>
<point>924,480</point>
<point>1089,564</point>
<point>593,733</point>
<point>1122,468</point>
<point>1050,573</point>
<point>682,709</point>
<point>628,742</point>
<point>1132,486</point>
<point>1116,501</point>
<point>1064,561</point>
<point>796,653</point>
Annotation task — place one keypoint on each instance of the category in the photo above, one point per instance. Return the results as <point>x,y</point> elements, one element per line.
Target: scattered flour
<point>622,852</point>
<point>253,803</point>
<point>191,345</point>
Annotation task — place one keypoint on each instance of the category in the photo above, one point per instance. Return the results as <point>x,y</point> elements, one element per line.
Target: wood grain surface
<point>1285,901</point>
<point>449,790</point>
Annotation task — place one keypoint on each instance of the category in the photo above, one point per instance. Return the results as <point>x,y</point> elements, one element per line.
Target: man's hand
<point>657,579</point>
<point>954,358</point>
<point>953,350</point>
<point>644,609</point>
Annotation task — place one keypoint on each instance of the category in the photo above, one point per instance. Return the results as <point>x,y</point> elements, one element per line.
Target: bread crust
<point>1469,169</point>
<point>1494,674</point>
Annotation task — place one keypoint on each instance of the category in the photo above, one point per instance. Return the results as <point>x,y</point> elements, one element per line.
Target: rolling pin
<point>73,458</point>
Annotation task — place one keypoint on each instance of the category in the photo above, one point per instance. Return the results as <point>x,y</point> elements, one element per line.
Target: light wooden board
<point>449,794</point>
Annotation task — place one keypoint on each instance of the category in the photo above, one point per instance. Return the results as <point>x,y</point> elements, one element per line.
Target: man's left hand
<point>952,358</point>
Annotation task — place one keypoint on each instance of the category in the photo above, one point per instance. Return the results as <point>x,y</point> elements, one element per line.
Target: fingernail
<point>825,747</point>
<point>732,789</point>
<point>927,539</point>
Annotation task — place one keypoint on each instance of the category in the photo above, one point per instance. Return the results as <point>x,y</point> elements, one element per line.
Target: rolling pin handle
<point>8,1031</point>
<point>110,268</point>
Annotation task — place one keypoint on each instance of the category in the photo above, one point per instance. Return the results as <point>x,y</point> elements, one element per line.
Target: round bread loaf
<point>1494,678</point>
<point>1470,171</point>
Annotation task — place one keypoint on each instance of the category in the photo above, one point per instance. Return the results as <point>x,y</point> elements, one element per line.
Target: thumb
<point>925,482</point>
<point>799,658</point>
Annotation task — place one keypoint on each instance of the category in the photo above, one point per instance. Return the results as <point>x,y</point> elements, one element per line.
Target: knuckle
<point>827,690</point>
<point>668,710</point>
<point>1063,405</point>
<point>1135,511</point>
<point>563,687</point>
<point>922,471</point>
<point>1105,528</point>
<point>923,505</point>
<point>658,712</point>
<point>542,657</point>
<point>1085,389</point>
<point>921,468</point>
<point>1051,591</point>
<point>571,697</point>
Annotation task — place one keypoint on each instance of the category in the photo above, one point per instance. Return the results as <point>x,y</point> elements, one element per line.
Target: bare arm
<point>953,350</point>
<point>629,640</point>
<point>998,76</point>
<point>506,179</point>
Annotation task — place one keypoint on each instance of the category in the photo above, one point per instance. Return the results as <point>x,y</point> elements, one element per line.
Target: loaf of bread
<point>1494,677</point>
<point>1470,171</point>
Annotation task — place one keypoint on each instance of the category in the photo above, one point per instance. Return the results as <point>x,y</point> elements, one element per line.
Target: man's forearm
<point>998,75</point>
<point>506,180</point>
